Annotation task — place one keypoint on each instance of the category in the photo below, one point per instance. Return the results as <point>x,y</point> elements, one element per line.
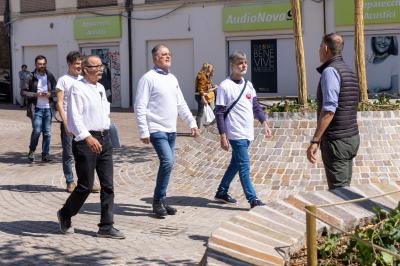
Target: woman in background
<point>204,91</point>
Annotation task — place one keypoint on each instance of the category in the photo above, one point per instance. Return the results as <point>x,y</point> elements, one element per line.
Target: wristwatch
<point>314,142</point>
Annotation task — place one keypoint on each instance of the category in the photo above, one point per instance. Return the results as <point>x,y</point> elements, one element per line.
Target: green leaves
<point>383,232</point>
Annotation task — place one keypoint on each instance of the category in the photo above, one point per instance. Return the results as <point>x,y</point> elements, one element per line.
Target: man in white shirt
<point>235,110</point>
<point>88,119</point>
<point>40,91</point>
<point>158,102</point>
<point>74,60</point>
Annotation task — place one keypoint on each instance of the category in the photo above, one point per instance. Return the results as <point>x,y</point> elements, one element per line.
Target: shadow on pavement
<point>28,188</point>
<point>347,194</point>
<point>119,209</point>
<point>146,261</point>
<point>197,202</point>
<point>30,228</point>
<point>15,253</point>
<point>133,154</point>
<point>14,158</point>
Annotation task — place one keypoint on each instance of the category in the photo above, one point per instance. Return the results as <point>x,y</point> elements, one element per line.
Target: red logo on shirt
<point>248,96</point>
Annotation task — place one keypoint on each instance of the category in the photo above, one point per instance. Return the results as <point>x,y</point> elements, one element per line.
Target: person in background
<point>24,74</point>
<point>204,91</point>
<point>40,92</point>
<point>63,87</point>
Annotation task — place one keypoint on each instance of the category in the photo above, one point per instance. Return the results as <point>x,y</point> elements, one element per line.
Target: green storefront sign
<point>97,28</point>
<point>257,17</point>
<point>375,12</point>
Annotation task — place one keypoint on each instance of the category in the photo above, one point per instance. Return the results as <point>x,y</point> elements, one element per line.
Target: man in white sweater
<point>158,102</point>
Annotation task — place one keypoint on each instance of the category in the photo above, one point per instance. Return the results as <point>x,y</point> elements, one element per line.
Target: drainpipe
<point>128,8</point>
<point>7,22</point>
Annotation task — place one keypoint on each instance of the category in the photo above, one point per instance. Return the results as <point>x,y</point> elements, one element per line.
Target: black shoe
<point>225,198</point>
<point>170,210</point>
<point>256,202</point>
<point>159,209</point>
<point>110,233</point>
<point>46,158</point>
<point>65,224</point>
<point>31,156</point>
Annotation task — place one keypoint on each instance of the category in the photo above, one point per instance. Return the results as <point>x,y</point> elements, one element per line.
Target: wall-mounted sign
<point>257,17</point>
<point>264,66</point>
<point>97,28</point>
<point>375,12</point>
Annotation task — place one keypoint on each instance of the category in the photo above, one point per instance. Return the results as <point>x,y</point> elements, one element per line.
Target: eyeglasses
<point>99,67</point>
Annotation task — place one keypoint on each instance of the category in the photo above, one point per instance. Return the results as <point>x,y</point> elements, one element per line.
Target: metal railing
<point>311,229</point>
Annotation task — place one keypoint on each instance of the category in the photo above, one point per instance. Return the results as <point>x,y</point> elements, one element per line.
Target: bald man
<point>337,132</point>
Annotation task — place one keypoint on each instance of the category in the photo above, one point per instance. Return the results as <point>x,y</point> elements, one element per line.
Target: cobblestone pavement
<point>31,194</point>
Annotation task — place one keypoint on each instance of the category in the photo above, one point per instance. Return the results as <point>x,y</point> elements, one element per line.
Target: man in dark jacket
<point>40,93</point>
<point>337,131</point>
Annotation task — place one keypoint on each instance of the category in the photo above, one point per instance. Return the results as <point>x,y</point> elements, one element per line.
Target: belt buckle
<point>102,133</point>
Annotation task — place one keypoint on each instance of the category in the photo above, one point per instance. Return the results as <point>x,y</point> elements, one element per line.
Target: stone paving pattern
<point>30,194</point>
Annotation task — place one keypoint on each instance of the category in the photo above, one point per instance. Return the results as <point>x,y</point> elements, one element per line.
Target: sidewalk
<point>31,194</point>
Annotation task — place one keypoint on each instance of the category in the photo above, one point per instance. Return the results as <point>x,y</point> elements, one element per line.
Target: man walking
<point>24,74</point>
<point>40,90</point>
<point>337,131</point>
<point>88,120</point>
<point>236,108</point>
<point>158,102</point>
<point>64,84</point>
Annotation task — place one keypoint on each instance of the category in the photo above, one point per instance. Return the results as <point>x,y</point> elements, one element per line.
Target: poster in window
<point>264,66</point>
<point>382,65</point>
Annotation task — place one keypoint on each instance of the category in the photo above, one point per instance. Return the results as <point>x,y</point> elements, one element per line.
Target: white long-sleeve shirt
<point>158,103</point>
<point>87,109</point>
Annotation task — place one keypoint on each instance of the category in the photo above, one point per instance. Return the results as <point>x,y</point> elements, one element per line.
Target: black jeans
<point>337,156</point>
<point>86,162</point>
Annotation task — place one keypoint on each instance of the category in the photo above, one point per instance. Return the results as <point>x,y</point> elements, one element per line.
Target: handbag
<point>209,116</point>
<point>235,102</point>
<point>114,136</point>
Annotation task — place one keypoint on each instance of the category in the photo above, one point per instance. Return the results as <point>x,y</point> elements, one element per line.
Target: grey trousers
<point>337,156</point>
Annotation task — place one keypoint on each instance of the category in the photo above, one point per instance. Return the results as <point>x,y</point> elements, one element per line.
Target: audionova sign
<point>375,12</point>
<point>257,17</point>
<point>97,28</point>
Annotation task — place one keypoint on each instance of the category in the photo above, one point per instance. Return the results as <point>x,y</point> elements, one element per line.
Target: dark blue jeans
<point>67,156</point>
<point>240,162</point>
<point>164,144</point>
<point>41,123</point>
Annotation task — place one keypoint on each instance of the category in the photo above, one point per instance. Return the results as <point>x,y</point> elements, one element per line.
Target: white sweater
<point>158,103</point>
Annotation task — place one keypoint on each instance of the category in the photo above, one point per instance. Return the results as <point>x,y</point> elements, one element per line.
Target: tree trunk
<point>299,50</point>
<point>360,48</point>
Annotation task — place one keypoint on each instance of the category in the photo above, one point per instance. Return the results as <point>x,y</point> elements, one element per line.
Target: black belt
<point>99,133</point>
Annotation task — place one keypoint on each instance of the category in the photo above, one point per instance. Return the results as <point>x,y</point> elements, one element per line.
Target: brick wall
<point>37,5</point>
<point>95,3</point>
<point>4,48</point>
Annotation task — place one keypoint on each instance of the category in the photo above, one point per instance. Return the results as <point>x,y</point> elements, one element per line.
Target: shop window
<point>96,3</point>
<point>37,5</point>
<point>271,65</point>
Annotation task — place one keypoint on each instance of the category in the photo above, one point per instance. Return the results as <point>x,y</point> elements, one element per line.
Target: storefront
<point>55,36</point>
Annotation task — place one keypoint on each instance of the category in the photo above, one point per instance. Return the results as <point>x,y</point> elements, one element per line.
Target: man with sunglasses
<point>88,119</point>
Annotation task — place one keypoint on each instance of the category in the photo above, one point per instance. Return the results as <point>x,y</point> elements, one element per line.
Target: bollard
<point>311,223</point>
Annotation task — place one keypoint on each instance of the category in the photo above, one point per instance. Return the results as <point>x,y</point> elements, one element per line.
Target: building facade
<point>196,32</point>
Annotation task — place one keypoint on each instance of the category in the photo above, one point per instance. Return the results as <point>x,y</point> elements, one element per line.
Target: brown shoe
<point>96,189</point>
<point>70,187</point>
